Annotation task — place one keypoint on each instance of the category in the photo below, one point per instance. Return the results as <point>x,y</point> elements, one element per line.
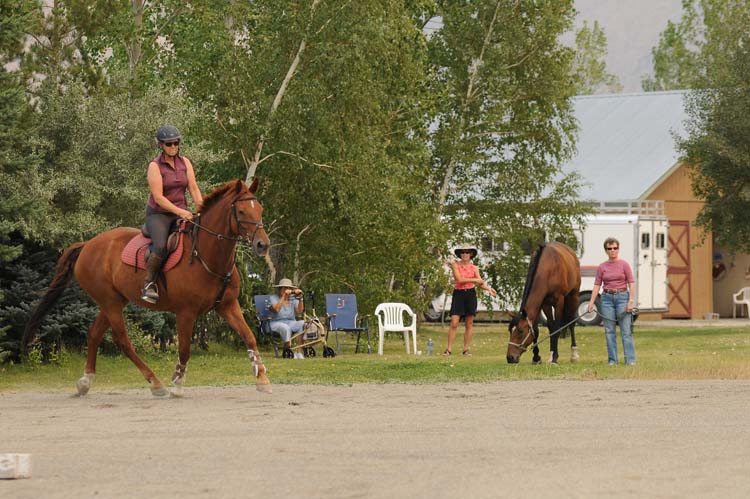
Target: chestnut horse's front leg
<point>232,313</point>
<point>185,323</point>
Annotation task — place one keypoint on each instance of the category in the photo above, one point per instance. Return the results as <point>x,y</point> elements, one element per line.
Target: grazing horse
<point>552,285</point>
<point>204,279</point>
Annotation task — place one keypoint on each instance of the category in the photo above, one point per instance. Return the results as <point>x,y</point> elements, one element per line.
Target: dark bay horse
<point>204,279</point>
<point>552,285</point>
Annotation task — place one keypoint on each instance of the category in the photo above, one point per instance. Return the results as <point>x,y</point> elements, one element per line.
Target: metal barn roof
<point>626,142</point>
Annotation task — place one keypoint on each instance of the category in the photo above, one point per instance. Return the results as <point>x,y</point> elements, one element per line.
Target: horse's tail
<point>530,275</point>
<point>63,275</point>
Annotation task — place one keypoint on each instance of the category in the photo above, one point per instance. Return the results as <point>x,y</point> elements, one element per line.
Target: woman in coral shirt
<point>466,277</point>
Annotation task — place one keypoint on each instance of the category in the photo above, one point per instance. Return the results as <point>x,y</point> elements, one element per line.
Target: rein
<point>240,238</point>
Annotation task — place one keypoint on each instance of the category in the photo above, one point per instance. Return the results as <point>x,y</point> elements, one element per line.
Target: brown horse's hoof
<point>264,387</point>
<point>83,385</point>
<point>159,390</point>
<point>574,356</point>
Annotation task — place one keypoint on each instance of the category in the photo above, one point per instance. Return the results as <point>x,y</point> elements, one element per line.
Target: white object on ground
<point>15,466</point>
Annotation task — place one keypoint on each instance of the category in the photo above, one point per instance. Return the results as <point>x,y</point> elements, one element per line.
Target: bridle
<point>240,225</point>
<point>529,333</point>
<point>239,238</point>
<point>537,341</point>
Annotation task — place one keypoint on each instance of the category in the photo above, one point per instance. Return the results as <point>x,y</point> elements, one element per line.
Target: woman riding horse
<point>169,175</point>
<point>204,279</point>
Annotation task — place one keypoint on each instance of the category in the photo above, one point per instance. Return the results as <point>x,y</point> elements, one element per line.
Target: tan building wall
<point>680,205</point>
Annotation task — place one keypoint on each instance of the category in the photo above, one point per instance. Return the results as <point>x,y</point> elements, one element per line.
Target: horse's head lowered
<point>522,336</point>
<point>245,213</point>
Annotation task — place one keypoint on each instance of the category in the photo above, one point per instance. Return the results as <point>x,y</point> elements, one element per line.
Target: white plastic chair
<point>741,297</point>
<point>391,318</point>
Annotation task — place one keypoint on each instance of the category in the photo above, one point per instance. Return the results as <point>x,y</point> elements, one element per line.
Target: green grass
<point>684,353</point>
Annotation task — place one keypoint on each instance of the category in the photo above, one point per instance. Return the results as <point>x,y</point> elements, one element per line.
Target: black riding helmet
<point>168,132</point>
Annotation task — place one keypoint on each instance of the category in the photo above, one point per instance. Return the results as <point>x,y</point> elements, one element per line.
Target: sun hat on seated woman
<point>285,283</point>
<point>465,247</point>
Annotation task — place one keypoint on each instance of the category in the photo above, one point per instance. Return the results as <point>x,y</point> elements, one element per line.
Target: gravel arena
<point>613,438</point>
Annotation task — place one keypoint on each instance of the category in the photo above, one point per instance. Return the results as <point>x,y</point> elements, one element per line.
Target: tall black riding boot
<point>150,292</point>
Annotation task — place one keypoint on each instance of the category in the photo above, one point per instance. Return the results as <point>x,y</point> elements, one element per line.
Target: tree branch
<point>277,100</point>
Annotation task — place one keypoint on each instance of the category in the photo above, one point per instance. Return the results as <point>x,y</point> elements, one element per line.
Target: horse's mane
<point>217,194</point>
<point>535,257</point>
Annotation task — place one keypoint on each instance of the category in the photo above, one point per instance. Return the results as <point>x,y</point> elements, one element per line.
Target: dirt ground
<point>523,439</point>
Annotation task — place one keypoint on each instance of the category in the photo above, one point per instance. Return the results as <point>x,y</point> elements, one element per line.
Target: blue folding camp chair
<point>262,312</point>
<point>342,316</point>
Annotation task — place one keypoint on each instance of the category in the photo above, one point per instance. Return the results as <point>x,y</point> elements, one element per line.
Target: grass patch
<point>674,353</point>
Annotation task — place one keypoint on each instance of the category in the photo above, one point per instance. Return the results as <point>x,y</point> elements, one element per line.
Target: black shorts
<point>464,302</point>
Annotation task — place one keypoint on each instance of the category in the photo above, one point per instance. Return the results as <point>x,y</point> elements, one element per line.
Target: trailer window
<point>645,240</point>
<point>661,240</point>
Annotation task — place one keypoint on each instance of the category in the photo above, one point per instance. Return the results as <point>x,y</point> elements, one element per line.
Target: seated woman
<point>286,304</point>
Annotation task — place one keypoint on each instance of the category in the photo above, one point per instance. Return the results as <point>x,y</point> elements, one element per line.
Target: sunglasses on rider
<point>171,144</point>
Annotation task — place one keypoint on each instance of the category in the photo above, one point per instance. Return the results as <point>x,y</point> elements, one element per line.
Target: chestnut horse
<point>552,285</point>
<point>204,279</point>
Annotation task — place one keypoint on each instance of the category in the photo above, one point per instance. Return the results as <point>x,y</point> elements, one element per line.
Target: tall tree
<point>503,126</point>
<point>18,161</point>
<point>324,101</point>
<point>707,51</point>
<point>718,148</point>
<point>589,68</point>
<point>692,49</point>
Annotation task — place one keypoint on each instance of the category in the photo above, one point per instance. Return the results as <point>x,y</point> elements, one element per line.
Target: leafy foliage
<point>718,149</point>
<point>696,51</point>
<point>589,68</point>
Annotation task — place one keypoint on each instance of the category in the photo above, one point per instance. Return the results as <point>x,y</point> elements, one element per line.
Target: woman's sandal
<point>467,353</point>
<point>447,352</point>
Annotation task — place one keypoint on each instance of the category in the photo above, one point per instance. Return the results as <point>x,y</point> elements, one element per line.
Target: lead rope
<point>536,344</point>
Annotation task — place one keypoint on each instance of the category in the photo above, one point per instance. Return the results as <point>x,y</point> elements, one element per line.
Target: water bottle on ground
<point>429,346</point>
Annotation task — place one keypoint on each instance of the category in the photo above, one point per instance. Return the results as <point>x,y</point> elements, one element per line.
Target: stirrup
<point>150,293</point>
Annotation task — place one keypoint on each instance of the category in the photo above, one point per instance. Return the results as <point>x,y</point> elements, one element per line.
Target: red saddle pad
<point>138,247</point>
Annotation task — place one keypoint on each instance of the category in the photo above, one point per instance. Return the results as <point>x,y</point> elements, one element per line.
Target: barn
<point>627,155</point>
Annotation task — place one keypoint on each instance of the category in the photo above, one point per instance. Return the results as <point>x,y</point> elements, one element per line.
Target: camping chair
<point>342,316</point>
<point>391,318</point>
<point>265,335</point>
<point>741,298</point>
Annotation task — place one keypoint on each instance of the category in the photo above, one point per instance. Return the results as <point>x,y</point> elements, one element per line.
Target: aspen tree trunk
<point>253,164</point>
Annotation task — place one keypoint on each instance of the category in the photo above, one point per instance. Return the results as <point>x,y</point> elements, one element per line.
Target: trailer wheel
<point>588,319</point>
<point>432,315</point>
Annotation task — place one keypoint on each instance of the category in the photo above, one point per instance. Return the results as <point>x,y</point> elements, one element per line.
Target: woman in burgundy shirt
<point>169,176</point>
<point>615,277</point>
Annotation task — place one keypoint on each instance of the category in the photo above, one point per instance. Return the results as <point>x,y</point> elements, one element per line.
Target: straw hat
<point>465,247</point>
<point>285,283</point>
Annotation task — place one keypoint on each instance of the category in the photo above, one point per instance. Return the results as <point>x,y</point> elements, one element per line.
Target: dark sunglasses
<point>171,144</point>
<point>612,248</point>
<point>465,251</point>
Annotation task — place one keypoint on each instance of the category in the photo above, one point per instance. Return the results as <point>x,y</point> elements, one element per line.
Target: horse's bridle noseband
<point>520,345</point>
